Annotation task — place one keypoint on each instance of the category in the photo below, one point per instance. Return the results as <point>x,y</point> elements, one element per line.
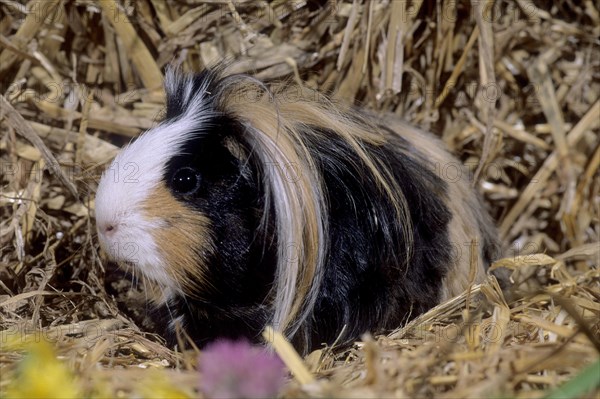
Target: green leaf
<point>585,382</point>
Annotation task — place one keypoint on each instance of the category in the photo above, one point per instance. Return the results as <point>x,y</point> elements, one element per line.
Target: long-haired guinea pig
<point>249,206</point>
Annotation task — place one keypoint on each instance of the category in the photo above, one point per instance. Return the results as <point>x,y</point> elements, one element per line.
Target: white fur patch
<point>135,173</point>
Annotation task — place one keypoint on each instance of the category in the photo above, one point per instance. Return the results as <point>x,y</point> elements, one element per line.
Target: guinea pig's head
<point>203,205</point>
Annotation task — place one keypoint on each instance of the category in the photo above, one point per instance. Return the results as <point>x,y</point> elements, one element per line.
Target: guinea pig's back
<point>471,228</point>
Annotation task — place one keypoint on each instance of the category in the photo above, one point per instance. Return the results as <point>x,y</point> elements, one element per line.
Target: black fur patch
<point>369,285</point>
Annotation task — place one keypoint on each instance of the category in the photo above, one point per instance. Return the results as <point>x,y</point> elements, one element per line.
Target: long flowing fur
<point>323,170</point>
<point>272,129</point>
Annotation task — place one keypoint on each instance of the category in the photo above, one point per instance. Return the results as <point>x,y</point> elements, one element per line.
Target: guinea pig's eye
<point>186,181</point>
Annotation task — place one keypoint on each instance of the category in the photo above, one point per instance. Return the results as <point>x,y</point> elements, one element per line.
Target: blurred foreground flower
<point>41,375</point>
<point>158,385</point>
<point>239,370</point>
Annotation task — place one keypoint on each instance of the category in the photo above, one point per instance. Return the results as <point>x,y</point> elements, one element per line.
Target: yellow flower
<point>41,375</point>
<point>157,385</point>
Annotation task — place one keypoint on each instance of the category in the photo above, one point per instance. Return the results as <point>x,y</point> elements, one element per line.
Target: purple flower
<point>236,369</point>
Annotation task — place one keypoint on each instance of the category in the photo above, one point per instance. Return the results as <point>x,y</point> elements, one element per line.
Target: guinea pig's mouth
<point>108,255</point>
<point>127,264</point>
<point>138,260</point>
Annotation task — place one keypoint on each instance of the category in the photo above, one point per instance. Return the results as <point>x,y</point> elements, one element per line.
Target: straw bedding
<point>511,86</point>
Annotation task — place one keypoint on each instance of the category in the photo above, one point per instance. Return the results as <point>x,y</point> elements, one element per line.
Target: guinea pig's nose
<point>107,229</point>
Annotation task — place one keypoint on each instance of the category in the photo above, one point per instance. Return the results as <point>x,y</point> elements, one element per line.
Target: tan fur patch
<point>183,239</point>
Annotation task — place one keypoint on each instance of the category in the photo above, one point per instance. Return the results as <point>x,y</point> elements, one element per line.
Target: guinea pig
<point>250,205</point>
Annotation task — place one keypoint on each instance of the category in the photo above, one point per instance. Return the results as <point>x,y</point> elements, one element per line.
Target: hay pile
<point>511,86</point>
